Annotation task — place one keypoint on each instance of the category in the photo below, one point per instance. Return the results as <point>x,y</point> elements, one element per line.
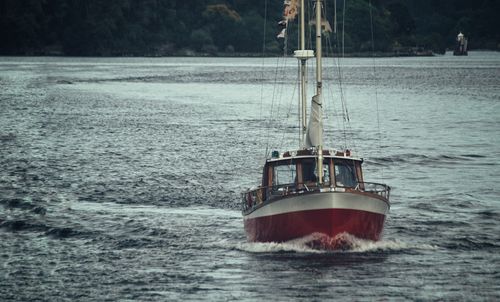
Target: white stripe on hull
<point>325,200</point>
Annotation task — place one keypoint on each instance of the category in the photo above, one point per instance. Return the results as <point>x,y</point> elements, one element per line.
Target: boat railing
<point>374,188</point>
<point>255,197</point>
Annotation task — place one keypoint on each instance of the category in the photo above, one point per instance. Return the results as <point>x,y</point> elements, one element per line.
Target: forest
<point>235,27</point>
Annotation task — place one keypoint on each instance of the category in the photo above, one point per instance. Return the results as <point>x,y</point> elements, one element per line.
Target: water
<point>120,178</point>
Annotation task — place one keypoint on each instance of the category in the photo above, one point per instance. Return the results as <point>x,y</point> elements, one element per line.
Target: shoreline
<point>190,54</point>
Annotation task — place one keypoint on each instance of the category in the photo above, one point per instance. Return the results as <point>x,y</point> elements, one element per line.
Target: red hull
<point>331,222</point>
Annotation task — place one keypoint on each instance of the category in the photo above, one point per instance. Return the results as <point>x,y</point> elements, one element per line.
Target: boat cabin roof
<point>308,153</point>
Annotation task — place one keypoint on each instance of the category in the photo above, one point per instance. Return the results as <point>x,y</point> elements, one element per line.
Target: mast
<point>319,73</point>
<point>303,55</point>
<point>335,18</point>
<point>317,97</point>
<point>303,88</point>
<point>314,130</point>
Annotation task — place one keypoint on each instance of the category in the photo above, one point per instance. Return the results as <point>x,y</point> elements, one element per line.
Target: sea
<point>120,178</point>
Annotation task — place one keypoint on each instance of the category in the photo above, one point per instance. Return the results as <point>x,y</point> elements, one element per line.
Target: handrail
<point>376,188</point>
<point>253,198</point>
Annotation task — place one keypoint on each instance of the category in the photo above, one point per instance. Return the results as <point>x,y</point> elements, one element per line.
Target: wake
<point>321,243</point>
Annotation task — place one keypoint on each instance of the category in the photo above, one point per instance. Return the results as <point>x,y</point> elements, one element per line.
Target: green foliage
<point>157,27</point>
<point>361,20</point>
<point>201,38</point>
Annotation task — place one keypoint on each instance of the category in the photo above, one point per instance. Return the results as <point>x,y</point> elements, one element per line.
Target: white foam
<point>274,247</point>
<point>320,243</point>
<point>363,246</point>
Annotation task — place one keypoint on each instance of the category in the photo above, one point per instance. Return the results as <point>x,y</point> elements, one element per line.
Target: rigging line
<point>270,123</point>
<point>376,81</point>
<point>299,87</point>
<point>341,77</point>
<point>283,70</point>
<point>262,71</point>
<point>299,113</point>
<point>345,112</point>
<point>329,90</point>
<point>276,97</point>
<point>288,114</point>
<point>343,29</point>
<point>279,89</point>
<point>329,95</point>
<point>277,93</point>
<point>283,86</point>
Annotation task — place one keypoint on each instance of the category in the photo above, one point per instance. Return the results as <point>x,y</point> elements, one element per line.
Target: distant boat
<point>460,46</point>
<point>313,190</point>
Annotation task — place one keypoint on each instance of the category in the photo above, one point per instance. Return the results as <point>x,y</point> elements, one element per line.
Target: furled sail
<point>315,127</point>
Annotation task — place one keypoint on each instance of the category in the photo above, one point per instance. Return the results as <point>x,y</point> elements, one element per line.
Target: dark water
<point>120,179</point>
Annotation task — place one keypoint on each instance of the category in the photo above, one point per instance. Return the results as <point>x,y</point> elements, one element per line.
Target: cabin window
<point>284,174</point>
<point>326,172</point>
<point>345,174</point>
<point>309,170</point>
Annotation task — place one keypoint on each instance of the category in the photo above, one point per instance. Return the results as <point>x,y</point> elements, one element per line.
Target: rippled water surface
<point>120,178</point>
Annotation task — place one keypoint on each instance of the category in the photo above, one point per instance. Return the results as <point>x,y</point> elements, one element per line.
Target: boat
<point>460,45</point>
<point>313,190</point>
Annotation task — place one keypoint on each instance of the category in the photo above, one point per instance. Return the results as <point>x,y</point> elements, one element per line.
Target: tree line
<point>194,27</point>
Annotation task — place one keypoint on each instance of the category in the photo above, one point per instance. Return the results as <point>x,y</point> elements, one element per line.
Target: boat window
<point>309,170</point>
<point>284,174</point>
<point>326,173</point>
<point>345,175</point>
